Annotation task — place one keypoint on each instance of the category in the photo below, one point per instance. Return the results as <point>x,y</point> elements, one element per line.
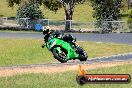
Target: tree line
<point>103,9</point>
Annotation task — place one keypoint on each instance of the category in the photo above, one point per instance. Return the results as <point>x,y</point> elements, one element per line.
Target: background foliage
<point>30,10</point>
<point>130,19</point>
<point>106,10</point>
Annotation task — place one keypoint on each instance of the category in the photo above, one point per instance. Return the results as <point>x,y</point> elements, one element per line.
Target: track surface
<point>124,38</point>
<point>114,38</point>
<point>120,57</point>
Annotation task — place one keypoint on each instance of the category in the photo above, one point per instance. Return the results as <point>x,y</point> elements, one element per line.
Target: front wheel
<point>60,55</point>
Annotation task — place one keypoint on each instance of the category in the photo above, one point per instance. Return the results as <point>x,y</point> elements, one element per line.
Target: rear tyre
<point>62,57</point>
<point>82,54</point>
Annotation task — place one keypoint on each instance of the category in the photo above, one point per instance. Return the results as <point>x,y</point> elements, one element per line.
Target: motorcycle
<point>64,51</point>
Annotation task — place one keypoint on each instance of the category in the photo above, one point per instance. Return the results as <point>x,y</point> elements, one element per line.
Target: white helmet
<point>46,29</point>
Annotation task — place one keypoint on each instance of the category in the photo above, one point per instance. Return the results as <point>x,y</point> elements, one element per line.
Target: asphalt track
<point>113,58</point>
<point>123,38</point>
<point>112,38</point>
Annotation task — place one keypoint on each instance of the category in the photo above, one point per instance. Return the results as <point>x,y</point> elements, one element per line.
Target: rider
<point>47,32</point>
<point>68,38</point>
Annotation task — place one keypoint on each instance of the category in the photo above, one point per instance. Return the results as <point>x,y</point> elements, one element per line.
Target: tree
<point>69,6</point>
<point>129,4</point>
<point>130,20</point>
<point>30,10</point>
<point>54,5</point>
<point>106,10</point>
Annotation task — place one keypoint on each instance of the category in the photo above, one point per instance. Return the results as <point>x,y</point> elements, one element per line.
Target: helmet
<point>46,29</point>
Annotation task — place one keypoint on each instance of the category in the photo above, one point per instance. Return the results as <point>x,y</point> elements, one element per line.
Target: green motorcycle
<point>64,51</point>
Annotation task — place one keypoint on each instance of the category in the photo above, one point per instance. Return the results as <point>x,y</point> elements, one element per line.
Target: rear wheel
<point>60,56</point>
<point>82,54</point>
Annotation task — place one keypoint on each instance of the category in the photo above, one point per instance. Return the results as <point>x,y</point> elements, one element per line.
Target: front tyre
<point>62,57</point>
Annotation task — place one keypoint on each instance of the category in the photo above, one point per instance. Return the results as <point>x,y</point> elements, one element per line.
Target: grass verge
<point>63,80</point>
<point>29,51</point>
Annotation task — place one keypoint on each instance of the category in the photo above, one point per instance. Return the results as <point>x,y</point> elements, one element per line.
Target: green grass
<point>29,51</point>
<point>7,11</point>
<point>63,80</point>
<point>23,51</point>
